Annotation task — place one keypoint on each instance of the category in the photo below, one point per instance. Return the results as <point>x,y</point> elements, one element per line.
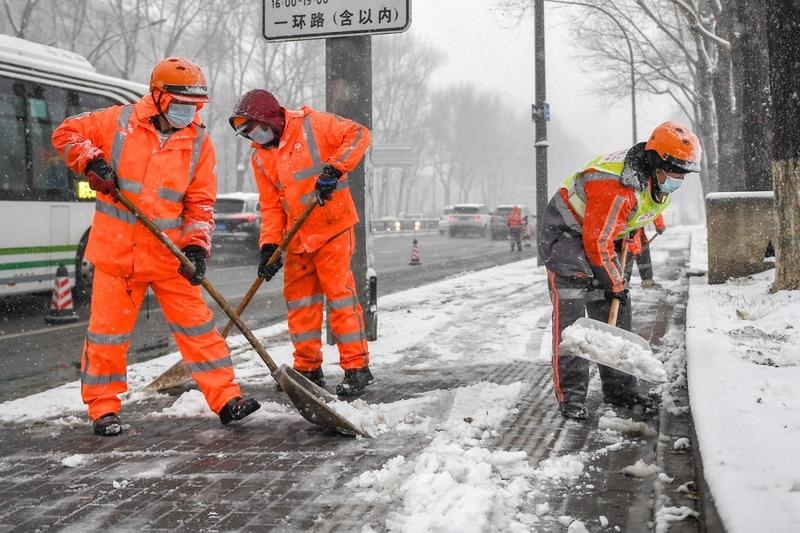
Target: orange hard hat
<point>181,78</point>
<point>677,147</point>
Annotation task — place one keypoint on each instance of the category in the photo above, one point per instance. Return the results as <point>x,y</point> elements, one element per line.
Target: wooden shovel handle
<point>272,260</point>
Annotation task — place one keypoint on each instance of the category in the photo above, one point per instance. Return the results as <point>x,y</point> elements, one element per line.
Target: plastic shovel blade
<point>638,370</point>
<point>313,402</point>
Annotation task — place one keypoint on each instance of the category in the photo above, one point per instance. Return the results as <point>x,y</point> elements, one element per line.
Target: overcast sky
<point>486,47</point>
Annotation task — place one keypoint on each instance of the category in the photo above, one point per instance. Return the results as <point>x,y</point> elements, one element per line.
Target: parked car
<point>468,219</point>
<point>237,216</point>
<point>444,219</point>
<point>497,223</point>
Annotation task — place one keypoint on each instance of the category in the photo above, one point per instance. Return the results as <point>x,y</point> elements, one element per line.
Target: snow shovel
<point>634,354</point>
<point>312,401</point>
<point>178,375</point>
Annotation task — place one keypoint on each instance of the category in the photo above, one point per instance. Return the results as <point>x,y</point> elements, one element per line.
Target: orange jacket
<point>286,176</point>
<point>514,219</point>
<point>174,184</point>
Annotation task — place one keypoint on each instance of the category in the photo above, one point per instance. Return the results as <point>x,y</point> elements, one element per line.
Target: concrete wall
<point>740,227</point>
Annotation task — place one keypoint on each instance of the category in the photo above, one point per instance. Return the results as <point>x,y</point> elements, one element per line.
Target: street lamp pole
<point>539,116</point>
<point>630,52</point>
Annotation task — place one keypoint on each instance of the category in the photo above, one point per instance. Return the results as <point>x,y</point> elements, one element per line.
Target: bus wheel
<point>84,273</point>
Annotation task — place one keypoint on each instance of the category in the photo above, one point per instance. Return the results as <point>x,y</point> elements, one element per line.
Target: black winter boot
<point>237,408</point>
<point>639,404</point>
<point>354,382</point>
<point>108,425</point>
<point>573,410</point>
<point>317,377</point>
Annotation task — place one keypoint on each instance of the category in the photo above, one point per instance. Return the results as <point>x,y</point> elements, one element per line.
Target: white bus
<point>45,209</point>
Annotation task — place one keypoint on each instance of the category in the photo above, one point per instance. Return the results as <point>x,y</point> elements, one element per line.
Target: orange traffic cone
<point>415,259</point>
<point>61,310</point>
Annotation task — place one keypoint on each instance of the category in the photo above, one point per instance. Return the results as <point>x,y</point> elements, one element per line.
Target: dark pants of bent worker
<point>571,300</point>
<point>643,262</point>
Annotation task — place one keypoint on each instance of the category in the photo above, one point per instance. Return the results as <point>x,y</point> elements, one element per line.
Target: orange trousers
<point>115,308</point>
<point>307,278</point>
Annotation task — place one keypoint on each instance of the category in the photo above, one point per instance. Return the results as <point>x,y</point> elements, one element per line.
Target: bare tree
<point>784,56</point>
<point>21,27</point>
<point>402,67</point>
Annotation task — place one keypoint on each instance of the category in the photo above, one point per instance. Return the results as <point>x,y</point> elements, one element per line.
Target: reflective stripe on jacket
<point>287,174</point>
<point>174,184</point>
<point>595,207</point>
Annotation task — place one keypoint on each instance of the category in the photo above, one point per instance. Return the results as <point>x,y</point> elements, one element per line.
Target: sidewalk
<point>744,370</point>
<point>467,435</point>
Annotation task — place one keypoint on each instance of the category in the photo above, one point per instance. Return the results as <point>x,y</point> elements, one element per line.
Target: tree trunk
<point>731,168</point>
<point>756,140</point>
<point>783,34</point>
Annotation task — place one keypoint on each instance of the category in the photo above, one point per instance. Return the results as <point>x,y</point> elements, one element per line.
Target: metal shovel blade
<point>590,323</point>
<point>174,377</point>
<point>313,401</point>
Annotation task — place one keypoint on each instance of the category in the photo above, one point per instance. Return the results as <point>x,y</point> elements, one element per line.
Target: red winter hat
<point>259,105</point>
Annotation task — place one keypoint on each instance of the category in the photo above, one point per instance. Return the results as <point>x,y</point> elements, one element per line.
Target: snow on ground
<point>744,369</point>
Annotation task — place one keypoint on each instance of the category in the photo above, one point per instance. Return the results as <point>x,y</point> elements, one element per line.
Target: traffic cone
<point>61,310</point>
<point>415,260</point>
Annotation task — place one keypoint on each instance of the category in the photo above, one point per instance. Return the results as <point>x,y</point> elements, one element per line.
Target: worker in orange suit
<point>157,154</point>
<point>581,238</point>
<point>303,156</point>
<point>639,253</point>
<point>514,222</point>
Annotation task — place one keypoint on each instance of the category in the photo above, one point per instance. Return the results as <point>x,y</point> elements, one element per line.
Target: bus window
<point>13,165</point>
<point>46,109</point>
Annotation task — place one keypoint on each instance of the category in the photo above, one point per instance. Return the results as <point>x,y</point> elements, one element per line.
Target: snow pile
<point>605,348</point>
<point>457,484</point>
<point>667,515</point>
<point>73,460</point>
<point>379,418</point>
<point>608,420</point>
<point>641,469</point>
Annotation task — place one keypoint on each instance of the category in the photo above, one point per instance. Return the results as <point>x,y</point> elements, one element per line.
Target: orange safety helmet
<point>179,77</point>
<point>678,148</point>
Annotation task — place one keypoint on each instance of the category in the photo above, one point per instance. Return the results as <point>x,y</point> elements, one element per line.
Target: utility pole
<point>541,114</point>
<point>348,93</point>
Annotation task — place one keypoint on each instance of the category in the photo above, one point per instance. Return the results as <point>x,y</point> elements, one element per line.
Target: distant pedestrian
<point>581,239</point>
<point>639,253</point>
<point>526,232</point>
<point>300,157</point>
<point>158,154</point>
<point>515,222</point>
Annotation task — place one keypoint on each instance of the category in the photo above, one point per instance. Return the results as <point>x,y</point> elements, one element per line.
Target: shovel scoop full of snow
<point>613,347</point>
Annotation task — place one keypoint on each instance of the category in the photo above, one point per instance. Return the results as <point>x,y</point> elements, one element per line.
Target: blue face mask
<point>180,115</point>
<point>260,135</point>
<point>670,185</point>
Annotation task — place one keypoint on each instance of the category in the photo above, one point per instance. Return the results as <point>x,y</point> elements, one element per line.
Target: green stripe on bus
<point>31,264</point>
<point>39,249</point>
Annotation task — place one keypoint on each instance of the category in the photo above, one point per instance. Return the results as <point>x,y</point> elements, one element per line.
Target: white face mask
<point>261,136</point>
<point>180,115</point>
<point>670,184</point>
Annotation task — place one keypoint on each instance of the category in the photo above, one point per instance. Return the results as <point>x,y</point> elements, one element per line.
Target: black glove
<point>660,230</point>
<point>622,296</point>
<point>326,183</point>
<point>197,256</point>
<point>102,177</point>
<point>268,271</point>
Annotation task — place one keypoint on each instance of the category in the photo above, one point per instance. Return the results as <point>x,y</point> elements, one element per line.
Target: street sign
<point>292,20</point>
